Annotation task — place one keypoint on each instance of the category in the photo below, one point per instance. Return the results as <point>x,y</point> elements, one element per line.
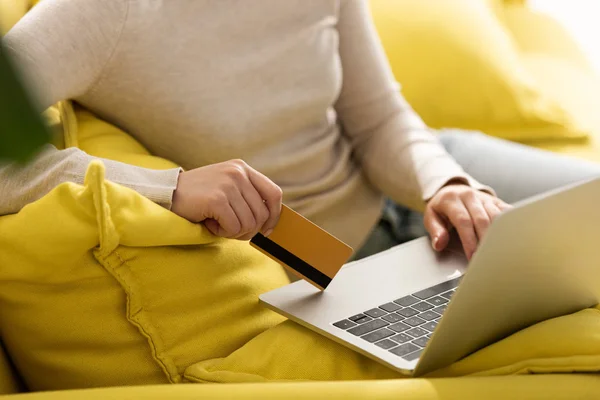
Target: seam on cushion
<point>136,314</point>
<point>224,376</point>
<point>218,375</point>
<point>94,181</point>
<point>529,366</point>
<point>107,256</point>
<point>69,123</point>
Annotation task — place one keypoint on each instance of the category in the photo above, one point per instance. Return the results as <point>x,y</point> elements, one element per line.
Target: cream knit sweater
<point>299,89</point>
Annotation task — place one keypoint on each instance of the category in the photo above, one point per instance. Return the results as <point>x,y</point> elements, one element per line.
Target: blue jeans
<point>515,172</point>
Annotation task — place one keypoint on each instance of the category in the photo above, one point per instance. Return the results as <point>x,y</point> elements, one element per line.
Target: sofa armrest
<point>528,387</point>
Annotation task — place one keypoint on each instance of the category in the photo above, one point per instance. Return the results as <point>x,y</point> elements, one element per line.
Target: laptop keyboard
<point>402,326</point>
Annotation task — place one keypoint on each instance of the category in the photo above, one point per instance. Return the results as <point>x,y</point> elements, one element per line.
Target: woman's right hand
<point>231,198</point>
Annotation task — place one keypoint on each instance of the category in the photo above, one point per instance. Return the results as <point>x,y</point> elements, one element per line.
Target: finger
<point>243,212</point>
<point>460,218</point>
<point>224,223</point>
<point>491,209</point>
<point>257,206</point>
<point>478,214</point>
<point>272,195</point>
<point>436,227</point>
<point>212,225</point>
<point>502,205</point>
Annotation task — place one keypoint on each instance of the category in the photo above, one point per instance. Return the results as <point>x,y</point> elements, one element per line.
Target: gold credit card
<point>305,249</point>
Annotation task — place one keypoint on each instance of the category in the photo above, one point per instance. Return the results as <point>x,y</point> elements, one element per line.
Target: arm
<point>22,185</point>
<point>61,48</point>
<point>398,153</point>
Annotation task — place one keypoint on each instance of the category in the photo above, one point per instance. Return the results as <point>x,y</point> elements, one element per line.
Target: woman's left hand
<point>468,210</point>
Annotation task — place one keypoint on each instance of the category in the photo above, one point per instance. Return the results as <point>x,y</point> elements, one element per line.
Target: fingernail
<point>435,241</point>
<point>267,233</point>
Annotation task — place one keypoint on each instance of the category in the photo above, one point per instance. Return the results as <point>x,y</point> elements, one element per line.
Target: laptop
<point>416,310</point>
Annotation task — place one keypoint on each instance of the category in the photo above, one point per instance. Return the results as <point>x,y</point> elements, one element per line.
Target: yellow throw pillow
<point>536,33</point>
<point>75,126</point>
<point>561,71</point>
<point>578,90</point>
<point>289,352</point>
<point>459,67</point>
<point>101,287</point>
<point>11,11</point>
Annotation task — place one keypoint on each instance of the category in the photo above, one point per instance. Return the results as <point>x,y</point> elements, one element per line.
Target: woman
<point>301,91</point>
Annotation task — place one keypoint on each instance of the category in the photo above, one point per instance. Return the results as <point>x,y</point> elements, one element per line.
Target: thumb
<point>437,230</point>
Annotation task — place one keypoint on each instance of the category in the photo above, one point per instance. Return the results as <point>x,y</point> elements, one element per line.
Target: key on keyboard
<point>407,312</point>
<point>404,349</point>
<point>401,338</point>
<point>422,306</point>
<point>406,301</point>
<point>344,324</point>
<point>363,320</point>
<point>430,326</point>
<point>392,318</point>
<point>386,344</point>
<point>429,315</point>
<point>357,317</point>
<point>368,327</point>
<point>414,321</point>
<point>399,327</point>
<point>375,312</point>
<point>378,335</point>
<point>390,307</point>
<point>413,356</point>
<point>437,300</point>
<point>440,309</point>
<point>422,341</point>
<point>416,332</point>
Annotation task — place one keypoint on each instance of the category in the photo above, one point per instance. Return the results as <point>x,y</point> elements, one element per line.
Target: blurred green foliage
<point>22,131</point>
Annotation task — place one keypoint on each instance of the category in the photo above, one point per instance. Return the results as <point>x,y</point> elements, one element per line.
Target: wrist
<point>176,194</point>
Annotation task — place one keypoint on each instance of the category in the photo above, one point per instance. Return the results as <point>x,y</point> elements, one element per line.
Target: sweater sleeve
<point>60,48</point>
<point>20,186</point>
<point>398,153</point>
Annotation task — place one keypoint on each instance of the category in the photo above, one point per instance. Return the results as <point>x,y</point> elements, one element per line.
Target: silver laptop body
<point>415,310</point>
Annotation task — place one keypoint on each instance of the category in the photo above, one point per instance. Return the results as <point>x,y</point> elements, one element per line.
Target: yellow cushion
<point>289,352</point>
<point>101,287</point>
<point>579,91</point>
<point>82,129</point>
<point>459,67</point>
<point>560,71</point>
<point>11,11</point>
<point>534,32</point>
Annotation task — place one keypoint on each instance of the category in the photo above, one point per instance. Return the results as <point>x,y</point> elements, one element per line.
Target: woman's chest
<point>238,72</point>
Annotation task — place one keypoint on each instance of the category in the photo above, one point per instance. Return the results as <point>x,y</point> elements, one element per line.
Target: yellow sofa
<point>495,66</point>
<point>557,386</point>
